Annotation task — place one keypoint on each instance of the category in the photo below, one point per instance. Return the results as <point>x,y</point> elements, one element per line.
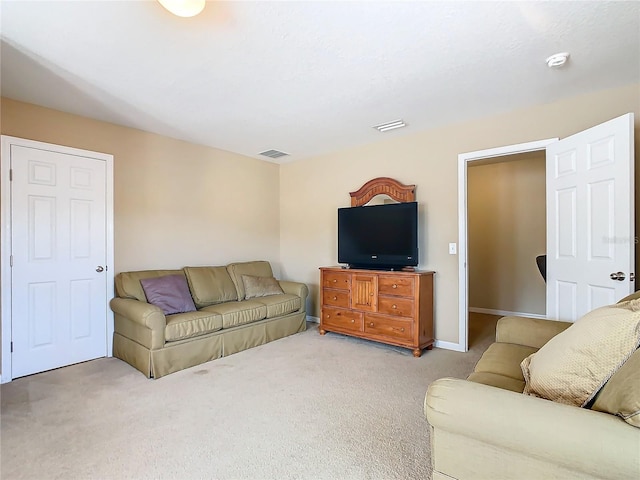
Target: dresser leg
<point>322,332</point>
<point>430,347</point>
<point>417,352</point>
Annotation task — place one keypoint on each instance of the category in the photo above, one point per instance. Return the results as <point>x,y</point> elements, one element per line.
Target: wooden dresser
<point>390,307</point>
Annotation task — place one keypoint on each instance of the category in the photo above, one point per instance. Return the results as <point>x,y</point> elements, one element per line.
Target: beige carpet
<point>304,407</point>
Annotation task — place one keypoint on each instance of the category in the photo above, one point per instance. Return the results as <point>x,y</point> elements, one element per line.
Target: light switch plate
<point>453,249</point>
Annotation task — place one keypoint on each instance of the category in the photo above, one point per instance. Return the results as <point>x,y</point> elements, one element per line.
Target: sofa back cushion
<point>255,269</point>
<point>128,283</point>
<point>621,394</point>
<point>210,285</point>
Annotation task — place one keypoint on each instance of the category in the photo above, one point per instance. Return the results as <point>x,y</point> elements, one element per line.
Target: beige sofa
<point>224,323</point>
<point>479,431</point>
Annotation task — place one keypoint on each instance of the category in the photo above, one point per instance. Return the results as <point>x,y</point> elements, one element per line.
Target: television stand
<point>392,307</point>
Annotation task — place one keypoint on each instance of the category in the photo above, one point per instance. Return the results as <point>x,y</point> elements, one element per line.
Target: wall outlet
<point>453,249</point>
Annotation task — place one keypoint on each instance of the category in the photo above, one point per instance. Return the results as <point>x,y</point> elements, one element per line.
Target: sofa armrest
<point>531,332</point>
<point>296,288</point>
<point>143,322</point>
<point>598,444</point>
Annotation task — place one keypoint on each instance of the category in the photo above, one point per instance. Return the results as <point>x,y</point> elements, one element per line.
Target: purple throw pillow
<point>170,293</point>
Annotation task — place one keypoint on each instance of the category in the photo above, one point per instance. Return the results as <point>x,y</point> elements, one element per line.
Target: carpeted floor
<point>304,407</point>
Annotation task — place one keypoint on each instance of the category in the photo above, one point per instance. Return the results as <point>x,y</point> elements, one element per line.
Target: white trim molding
<point>506,313</point>
<point>463,275</point>
<point>6,142</point>
<point>312,319</point>
<point>456,347</point>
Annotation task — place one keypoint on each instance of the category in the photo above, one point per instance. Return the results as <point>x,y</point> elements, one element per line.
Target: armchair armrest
<point>139,321</point>
<point>596,444</point>
<point>296,288</point>
<point>531,332</point>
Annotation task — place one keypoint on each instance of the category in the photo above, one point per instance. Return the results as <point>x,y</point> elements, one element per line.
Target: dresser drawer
<point>401,286</point>
<point>397,306</point>
<point>336,298</point>
<point>389,327</point>
<point>340,280</point>
<point>341,319</point>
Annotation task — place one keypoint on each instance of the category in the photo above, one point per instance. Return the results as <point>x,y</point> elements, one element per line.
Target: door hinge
<point>11,174</point>
<point>11,347</point>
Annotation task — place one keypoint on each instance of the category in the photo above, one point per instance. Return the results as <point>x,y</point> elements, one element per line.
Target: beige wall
<point>312,190</point>
<point>175,203</point>
<point>506,211</point>
<point>182,204</point>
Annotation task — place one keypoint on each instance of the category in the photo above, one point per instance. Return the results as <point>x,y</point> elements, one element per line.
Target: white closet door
<point>59,290</point>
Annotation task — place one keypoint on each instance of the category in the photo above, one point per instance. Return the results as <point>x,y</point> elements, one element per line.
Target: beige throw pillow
<point>260,286</point>
<point>574,365</point>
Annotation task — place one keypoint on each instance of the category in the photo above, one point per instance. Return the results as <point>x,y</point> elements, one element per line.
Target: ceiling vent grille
<point>385,127</point>
<point>273,153</point>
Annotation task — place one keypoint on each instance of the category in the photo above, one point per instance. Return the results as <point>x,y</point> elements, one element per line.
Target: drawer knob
<point>335,298</point>
<point>371,324</point>
<point>402,329</point>
<point>334,280</point>
<point>353,321</point>
<point>394,286</point>
<point>394,306</point>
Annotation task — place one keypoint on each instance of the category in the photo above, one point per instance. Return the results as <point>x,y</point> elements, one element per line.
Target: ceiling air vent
<point>273,153</point>
<point>384,127</point>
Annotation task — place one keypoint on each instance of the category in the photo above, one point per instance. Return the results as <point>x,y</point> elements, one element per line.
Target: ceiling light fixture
<point>384,127</point>
<point>557,60</point>
<point>183,8</point>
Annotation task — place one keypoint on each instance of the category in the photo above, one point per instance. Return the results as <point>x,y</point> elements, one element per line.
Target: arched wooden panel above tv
<point>383,186</point>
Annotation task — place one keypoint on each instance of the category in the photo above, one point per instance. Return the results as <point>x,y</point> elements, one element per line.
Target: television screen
<point>378,236</point>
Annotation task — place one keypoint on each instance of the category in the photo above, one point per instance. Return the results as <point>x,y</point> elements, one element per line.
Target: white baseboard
<point>506,313</point>
<point>313,319</point>
<point>456,347</point>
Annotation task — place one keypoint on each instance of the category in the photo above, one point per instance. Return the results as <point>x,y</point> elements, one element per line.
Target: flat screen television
<point>379,236</point>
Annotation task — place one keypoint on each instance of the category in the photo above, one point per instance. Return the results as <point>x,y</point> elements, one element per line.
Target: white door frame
<point>464,159</point>
<point>5,246</point>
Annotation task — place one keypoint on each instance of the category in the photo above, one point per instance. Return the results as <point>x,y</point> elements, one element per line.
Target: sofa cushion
<point>260,286</point>
<point>170,293</point>
<point>504,359</point>
<point>495,380</point>
<point>621,394</point>
<point>210,285</point>
<point>256,269</point>
<point>128,283</point>
<point>573,366</point>
<point>238,313</point>
<point>282,304</point>
<point>191,324</point>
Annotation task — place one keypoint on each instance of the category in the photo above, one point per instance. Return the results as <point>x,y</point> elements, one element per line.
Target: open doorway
<point>465,161</point>
<point>506,232</point>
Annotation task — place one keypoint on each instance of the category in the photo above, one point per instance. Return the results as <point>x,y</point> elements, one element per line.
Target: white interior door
<point>59,254</point>
<point>590,219</point>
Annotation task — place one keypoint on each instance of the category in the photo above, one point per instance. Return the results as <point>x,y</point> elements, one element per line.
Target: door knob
<point>620,276</point>
<point>99,268</point>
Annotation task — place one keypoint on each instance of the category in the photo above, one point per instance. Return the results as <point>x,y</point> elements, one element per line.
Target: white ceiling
<point>309,78</point>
